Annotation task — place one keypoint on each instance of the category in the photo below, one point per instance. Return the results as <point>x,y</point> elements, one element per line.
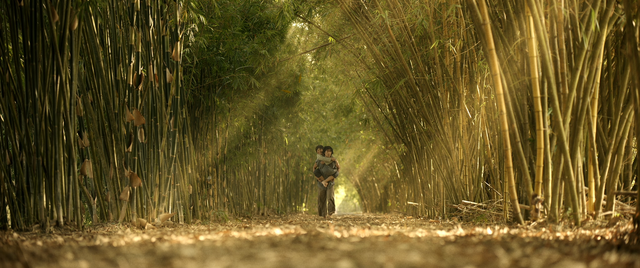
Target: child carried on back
<point>326,168</point>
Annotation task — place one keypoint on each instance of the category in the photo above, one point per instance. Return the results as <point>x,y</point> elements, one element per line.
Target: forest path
<point>304,240</point>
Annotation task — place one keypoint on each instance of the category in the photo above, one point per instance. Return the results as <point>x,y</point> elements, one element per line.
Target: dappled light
<point>343,241</point>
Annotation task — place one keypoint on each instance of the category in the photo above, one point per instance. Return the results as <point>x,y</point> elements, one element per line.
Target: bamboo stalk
<point>560,126</point>
<point>497,81</point>
<point>533,66</point>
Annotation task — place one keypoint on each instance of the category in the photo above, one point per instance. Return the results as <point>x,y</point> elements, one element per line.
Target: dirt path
<point>309,241</point>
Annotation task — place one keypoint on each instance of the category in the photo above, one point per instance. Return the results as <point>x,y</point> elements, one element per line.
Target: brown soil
<point>310,241</point>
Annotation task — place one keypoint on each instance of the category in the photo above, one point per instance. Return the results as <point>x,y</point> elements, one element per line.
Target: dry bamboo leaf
<point>169,76</point>
<point>127,172</point>
<point>74,21</point>
<point>85,139</point>
<point>141,135</point>
<point>54,14</point>
<point>125,194</point>
<point>135,180</point>
<point>165,216</point>
<point>138,119</point>
<point>167,224</point>
<point>85,169</point>
<point>150,227</point>
<point>141,223</point>
<point>176,52</point>
<point>80,143</point>
<point>79,111</point>
<point>129,115</point>
<point>129,142</point>
<point>136,80</point>
<point>123,210</point>
<point>141,82</point>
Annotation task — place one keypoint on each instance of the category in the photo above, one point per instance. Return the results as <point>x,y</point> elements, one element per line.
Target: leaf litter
<point>302,240</point>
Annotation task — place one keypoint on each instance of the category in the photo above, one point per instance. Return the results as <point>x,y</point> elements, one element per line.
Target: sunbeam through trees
<point>133,111</point>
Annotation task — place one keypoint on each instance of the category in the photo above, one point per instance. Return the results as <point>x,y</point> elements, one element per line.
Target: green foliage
<point>235,43</point>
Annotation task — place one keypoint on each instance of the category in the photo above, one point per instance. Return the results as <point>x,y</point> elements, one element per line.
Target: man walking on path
<point>326,167</point>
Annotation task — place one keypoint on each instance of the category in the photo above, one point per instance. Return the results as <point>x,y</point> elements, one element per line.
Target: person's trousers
<point>325,195</point>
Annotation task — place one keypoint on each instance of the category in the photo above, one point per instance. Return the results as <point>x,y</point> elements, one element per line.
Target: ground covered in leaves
<point>342,241</point>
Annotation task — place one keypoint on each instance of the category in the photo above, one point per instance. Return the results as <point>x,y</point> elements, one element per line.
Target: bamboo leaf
<point>85,169</point>
<point>79,111</point>
<point>129,142</point>
<point>124,195</point>
<point>73,25</point>
<point>176,52</point>
<point>169,76</point>
<point>141,223</point>
<point>135,180</point>
<point>140,82</point>
<point>136,80</point>
<point>129,115</point>
<point>80,143</point>
<point>138,119</point>
<point>141,135</point>
<point>54,13</point>
<point>85,139</point>
<point>165,216</point>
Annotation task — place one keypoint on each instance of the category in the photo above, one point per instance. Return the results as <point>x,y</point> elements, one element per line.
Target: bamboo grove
<point>506,101</point>
<point>112,111</point>
<point>98,126</point>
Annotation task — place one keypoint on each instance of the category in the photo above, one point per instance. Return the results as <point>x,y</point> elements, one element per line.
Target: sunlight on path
<point>303,240</point>
<point>346,204</point>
